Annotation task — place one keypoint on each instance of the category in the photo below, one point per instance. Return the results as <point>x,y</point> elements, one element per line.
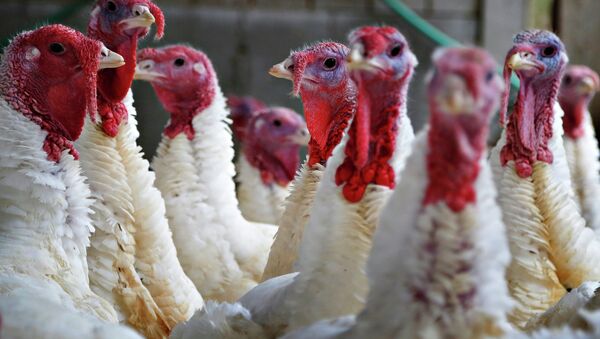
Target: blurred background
<point>244,38</point>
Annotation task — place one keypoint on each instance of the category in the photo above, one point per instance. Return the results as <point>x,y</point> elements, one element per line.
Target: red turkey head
<point>119,24</point>
<point>184,81</point>
<point>273,139</point>
<point>464,91</point>
<point>539,59</point>
<point>319,75</point>
<point>242,109</point>
<point>381,64</point>
<point>49,75</point>
<point>579,84</point>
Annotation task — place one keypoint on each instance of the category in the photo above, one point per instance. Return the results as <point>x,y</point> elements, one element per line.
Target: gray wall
<point>245,37</point>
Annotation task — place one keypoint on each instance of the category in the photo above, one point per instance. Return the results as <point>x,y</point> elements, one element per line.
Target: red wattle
<point>453,161</point>
<point>111,115</point>
<point>573,119</point>
<point>529,129</point>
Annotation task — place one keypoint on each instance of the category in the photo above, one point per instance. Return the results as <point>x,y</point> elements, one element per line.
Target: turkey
<point>579,84</point>
<point>331,280</point>
<point>47,87</point>
<point>132,259</point>
<point>241,110</point>
<point>440,251</point>
<point>268,162</point>
<point>329,100</point>
<point>222,252</point>
<point>551,248</point>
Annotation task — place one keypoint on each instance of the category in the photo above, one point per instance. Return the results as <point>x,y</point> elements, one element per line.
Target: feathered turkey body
<point>328,106</point>
<point>337,239</point>
<point>223,253</point>
<point>202,208</point>
<point>551,247</point>
<point>133,262</point>
<point>258,201</point>
<point>268,161</point>
<point>44,218</point>
<point>44,203</point>
<point>581,146</point>
<point>438,271</point>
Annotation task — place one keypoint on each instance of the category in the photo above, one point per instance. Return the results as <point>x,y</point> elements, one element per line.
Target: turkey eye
<point>489,76</point>
<point>329,63</point>
<point>57,48</point>
<point>567,80</point>
<point>395,51</point>
<point>548,51</point>
<point>111,6</point>
<point>290,68</point>
<point>179,62</point>
<point>277,123</point>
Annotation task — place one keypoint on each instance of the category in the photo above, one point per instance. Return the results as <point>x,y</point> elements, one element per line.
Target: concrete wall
<point>245,37</point>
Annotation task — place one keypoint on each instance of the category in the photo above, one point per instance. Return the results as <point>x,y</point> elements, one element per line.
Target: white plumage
<point>258,201</point>
<point>45,227</point>
<point>582,157</point>
<point>133,261</point>
<point>550,244</point>
<point>298,205</point>
<point>223,253</point>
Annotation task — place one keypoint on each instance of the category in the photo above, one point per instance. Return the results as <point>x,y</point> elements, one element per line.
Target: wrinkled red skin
<point>455,147</point>
<point>275,167</point>
<point>268,147</point>
<point>242,110</point>
<point>372,134</point>
<point>336,123</point>
<point>327,109</point>
<point>182,92</point>
<point>457,142</point>
<point>527,134</point>
<point>573,102</point>
<point>371,145</point>
<point>55,92</point>
<point>529,127</point>
<point>114,83</point>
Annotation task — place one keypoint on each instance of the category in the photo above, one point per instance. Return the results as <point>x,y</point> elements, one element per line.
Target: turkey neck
<point>44,217</point>
<point>573,120</point>
<point>453,160</point>
<point>372,135</point>
<point>327,117</point>
<point>276,164</point>
<point>212,145</point>
<point>529,127</point>
<point>113,85</point>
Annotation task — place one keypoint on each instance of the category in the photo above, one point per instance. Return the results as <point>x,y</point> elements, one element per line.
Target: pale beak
<point>523,60</point>
<point>301,137</point>
<point>141,18</point>
<point>587,86</point>
<point>280,70</point>
<point>356,61</point>
<point>147,75</point>
<point>110,59</point>
<point>455,98</point>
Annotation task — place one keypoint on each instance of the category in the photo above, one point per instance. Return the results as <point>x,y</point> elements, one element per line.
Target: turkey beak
<point>146,75</point>
<point>455,97</point>
<point>356,60</point>
<point>301,137</point>
<point>523,60</point>
<point>140,18</point>
<point>282,70</point>
<point>587,86</point>
<point>110,59</point>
